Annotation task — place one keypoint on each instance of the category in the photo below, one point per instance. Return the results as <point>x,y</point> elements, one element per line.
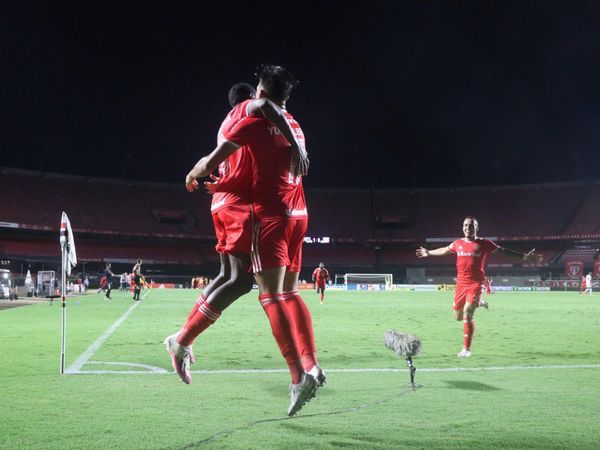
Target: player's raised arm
<point>274,113</point>
<point>422,252</point>
<point>529,256</point>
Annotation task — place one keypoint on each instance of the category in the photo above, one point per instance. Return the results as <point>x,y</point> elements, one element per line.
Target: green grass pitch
<point>533,379</point>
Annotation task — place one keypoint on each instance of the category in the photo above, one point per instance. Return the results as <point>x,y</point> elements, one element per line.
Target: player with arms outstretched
<point>320,277</point>
<point>471,253</point>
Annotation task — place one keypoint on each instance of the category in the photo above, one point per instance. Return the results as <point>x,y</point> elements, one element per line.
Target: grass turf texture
<point>507,408</point>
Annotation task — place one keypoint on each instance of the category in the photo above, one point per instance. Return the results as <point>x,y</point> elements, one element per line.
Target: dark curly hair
<point>240,92</point>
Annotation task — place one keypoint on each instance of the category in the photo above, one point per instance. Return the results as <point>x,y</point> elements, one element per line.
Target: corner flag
<point>66,237</point>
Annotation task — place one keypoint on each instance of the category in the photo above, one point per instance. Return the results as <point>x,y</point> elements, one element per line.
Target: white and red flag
<point>66,237</point>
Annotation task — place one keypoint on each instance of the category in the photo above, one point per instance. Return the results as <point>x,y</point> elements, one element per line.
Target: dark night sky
<point>456,93</point>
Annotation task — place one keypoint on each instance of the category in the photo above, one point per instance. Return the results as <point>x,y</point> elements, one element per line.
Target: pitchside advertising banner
<point>574,269</point>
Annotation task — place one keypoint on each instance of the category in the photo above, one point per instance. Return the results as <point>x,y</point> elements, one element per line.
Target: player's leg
<point>471,304</point>
<point>233,227</point>
<point>458,309</point>
<point>222,277</point>
<point>209,308</point>
<point>269,256</point>
<point>270,283</point>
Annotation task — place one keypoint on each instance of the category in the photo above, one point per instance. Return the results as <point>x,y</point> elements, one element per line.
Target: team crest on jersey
<point>224,168</point>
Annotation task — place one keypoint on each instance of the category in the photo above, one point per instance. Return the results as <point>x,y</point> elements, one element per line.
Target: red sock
<point>205,317</point>
<point>303,328</point>
<point>281,327</point>
<point>469,330</point>
<point>201,299</point>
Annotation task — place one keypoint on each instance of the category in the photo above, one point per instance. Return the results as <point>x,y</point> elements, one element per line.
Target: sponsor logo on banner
<point>574,269</point>
<point>597,269</point>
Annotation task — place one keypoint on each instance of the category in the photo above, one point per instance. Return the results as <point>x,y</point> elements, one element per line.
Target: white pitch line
<point>128,364</point>
<point>367,370</point>
<point>85,357</point>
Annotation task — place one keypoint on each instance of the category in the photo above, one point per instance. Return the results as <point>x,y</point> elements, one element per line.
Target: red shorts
<point>278,243</point>
<point>233,227</point>
<point>320,285</point>
<point>466,293</point>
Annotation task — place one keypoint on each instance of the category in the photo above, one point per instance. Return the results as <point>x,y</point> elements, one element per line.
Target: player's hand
<point>300,158</point>
<point>533,257</point>
<point>212,186</point>
<point>422,252</point>
<point>191,184</point>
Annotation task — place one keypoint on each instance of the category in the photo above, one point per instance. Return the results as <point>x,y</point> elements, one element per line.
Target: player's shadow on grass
<point>471,385</point>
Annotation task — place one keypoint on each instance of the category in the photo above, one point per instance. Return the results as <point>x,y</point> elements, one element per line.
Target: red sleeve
<point>452,246</point>
<point>244,132</point>
<point>490,246</point>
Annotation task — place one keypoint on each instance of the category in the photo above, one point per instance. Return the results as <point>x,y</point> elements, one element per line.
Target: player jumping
<point>281,220</point>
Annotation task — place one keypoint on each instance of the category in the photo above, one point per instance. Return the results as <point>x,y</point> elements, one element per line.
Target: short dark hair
<point>475,221</point>
<point>277,81</point>
<point>240,92</point>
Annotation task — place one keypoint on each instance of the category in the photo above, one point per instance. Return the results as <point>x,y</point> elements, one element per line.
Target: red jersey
<point>470,259</point>
<point>277,186</point>
<point>320,275</point>
<point>236,171</point>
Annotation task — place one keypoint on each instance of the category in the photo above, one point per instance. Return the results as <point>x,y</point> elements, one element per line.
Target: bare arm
<point>210,162</point>
<point>274,113</point>
<point>422,252</point>
<point>529,256</point>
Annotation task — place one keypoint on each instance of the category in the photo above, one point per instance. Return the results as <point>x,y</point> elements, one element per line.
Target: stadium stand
<point>368,230</point>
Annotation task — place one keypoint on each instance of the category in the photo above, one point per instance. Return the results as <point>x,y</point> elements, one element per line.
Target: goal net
<point>376,279</point>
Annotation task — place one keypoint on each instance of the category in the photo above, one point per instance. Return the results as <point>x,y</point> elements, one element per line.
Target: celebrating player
<point>320,277</point>
<point>138,279</point>
<point>278,162</point>
<point>471,253</point>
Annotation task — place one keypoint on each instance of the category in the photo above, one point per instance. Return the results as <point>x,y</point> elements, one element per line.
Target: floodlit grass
<point>506,406</point>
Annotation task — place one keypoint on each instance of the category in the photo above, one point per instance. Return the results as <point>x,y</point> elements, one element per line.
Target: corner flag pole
<point>69,260</point>
<point>63,246</point>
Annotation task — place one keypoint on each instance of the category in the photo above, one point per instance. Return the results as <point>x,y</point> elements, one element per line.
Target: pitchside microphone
<point>405,345</point>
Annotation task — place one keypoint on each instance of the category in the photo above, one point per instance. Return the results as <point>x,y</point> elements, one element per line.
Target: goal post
<point>385,280</point>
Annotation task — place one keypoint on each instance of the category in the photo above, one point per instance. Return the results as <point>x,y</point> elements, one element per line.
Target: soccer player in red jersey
<point>471,253</point>
<point>320,277</point>
<point>280,209</point>
<point>583,285</point>
<point>233,218</point>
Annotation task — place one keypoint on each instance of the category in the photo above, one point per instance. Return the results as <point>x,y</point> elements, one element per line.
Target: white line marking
<point>85,357</point>
<point>367,370</point>
<point>127,364</point>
